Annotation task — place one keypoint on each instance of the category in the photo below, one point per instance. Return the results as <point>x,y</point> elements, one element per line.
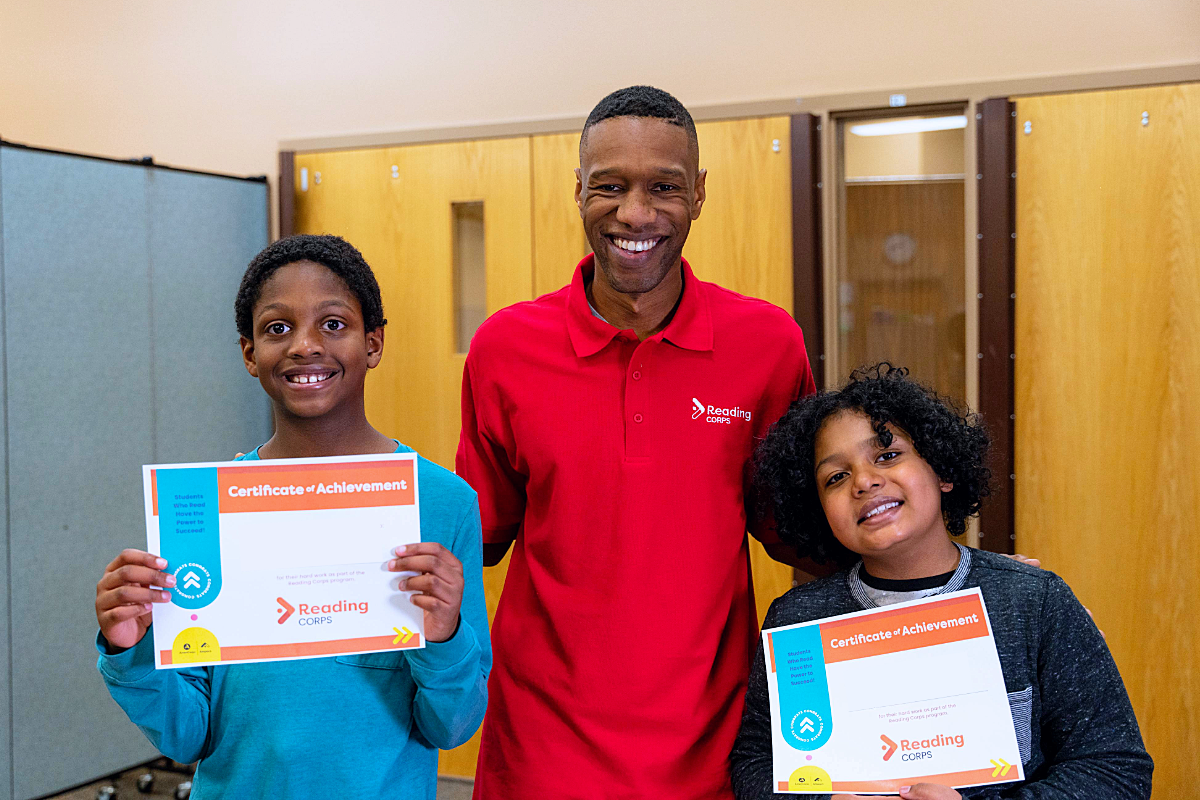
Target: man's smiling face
<point>639,188</point>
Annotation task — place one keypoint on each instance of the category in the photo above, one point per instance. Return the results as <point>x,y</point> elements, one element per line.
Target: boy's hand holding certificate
<point>910,693</point>
<point>283,559</point>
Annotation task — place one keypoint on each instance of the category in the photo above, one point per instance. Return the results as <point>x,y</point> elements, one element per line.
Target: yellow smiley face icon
<point>195,645</point>
<point>812,779</point>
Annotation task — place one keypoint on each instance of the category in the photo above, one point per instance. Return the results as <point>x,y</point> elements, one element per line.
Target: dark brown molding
<point>287,193</point>
<point>807,293</point>
<point>996,180</point>
<point>808,301</point>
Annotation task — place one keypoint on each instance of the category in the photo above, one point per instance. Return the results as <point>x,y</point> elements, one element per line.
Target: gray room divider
<point>118,348</point>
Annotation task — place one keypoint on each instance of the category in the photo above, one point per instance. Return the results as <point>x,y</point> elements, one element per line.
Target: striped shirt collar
<point>956,582</point>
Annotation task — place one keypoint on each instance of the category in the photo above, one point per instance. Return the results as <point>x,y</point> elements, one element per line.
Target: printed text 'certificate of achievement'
<point>282,559</point>
<point>870,702</point>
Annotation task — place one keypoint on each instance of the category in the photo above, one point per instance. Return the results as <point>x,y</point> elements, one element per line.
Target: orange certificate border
<point>331,647</point>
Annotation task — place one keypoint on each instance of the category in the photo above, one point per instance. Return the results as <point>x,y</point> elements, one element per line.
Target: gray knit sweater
<point>1077,734</point>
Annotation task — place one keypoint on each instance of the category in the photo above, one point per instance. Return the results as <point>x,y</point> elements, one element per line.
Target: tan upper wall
<point>217,85</point>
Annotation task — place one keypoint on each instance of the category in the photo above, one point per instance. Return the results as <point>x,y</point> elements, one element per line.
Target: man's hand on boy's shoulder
<point>439,580</point>
<point>126,593</point>
<point>1032,562</point>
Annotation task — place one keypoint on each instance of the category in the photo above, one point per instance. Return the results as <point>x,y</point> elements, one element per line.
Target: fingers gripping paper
<point>277,560</point>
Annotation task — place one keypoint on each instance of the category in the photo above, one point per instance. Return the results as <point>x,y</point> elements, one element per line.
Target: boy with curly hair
<point>878,476</point>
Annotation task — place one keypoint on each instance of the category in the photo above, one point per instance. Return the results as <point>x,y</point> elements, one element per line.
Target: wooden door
<point>1107,381</point>
<point>397,206</point>
<point>742,241</point>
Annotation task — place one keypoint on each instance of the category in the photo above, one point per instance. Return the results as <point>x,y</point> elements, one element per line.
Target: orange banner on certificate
<point>306,487</point>
<point>938,622</point>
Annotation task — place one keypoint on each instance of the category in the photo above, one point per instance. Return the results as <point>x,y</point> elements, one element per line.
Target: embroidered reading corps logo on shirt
<point>718,415</point>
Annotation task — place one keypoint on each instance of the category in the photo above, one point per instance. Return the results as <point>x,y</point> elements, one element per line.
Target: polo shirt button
<point>637,417</point>
<point>637,376</point>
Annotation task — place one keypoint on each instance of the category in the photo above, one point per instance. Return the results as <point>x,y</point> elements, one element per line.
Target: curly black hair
<point>333,252</point>
<point>642,101</point>
<point>953,442</point>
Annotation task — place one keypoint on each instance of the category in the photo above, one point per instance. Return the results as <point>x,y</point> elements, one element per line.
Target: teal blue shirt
<point>362,726</point>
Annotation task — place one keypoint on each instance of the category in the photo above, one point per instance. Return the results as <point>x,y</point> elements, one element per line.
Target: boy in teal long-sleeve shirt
<point>361,726</point>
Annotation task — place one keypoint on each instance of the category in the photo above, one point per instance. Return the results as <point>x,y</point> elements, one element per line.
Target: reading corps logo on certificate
<point>718,415</point>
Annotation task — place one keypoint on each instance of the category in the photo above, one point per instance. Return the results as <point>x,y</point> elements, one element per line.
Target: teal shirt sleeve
<point>451,676</point>
<point>171,706</point>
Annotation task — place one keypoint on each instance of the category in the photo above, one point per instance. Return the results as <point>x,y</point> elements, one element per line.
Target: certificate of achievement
<point>872,701</point>
<point>282,559</point>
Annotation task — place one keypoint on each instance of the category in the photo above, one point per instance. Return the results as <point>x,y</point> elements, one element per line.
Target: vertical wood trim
<point>808,295</point>
<point>996,165</point>
<point>287,193</point>
<point>807,267</point>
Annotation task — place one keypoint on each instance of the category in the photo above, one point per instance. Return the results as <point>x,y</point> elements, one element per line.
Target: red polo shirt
<point>626,628</point>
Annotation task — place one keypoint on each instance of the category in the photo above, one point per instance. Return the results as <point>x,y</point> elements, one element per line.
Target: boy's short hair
<point>642,101</point>
<point>333,252</point>
<point>954,443</point>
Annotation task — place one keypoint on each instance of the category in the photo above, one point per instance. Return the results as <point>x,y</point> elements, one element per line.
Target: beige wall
<point>216,85</point>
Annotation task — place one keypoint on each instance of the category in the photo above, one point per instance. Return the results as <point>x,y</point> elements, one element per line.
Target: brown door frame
<point>996,179</point>
<point>287,193</point>
<point>996,288</point>
<point>808,295</point>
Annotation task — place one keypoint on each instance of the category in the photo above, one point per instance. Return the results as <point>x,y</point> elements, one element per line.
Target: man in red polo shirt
<point>607,429</point>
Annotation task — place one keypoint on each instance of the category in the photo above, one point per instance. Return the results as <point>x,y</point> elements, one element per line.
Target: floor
<point>166,780</point>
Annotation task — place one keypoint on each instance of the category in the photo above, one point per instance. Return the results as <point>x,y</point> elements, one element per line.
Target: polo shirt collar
<point>691,327</point>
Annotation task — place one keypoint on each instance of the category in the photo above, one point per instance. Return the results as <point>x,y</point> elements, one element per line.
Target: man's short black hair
<point>642,101</point>
<point>954,443</point>
<point>332,252</point>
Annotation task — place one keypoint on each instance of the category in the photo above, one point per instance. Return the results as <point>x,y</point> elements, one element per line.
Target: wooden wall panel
<point>403,227</point>
<point>1107,376</point>
<point>558,239</point>
<point>421,381</point>
<point>743,239</point>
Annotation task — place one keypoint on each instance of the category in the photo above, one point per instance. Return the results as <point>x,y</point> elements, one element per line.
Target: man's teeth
<point>309,378</point>
<point>635,247</point>
<point>880,509</point>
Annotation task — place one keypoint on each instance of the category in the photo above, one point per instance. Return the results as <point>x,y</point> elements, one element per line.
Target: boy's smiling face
<point>884,503</point>
<point>309,350</point>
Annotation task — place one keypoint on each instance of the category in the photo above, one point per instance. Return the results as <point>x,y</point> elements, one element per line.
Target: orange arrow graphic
<point>890,746</point>
<point>286,611</point>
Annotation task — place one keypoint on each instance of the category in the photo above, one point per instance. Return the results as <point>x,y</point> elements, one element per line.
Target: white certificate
<point>282,559</point>
<point>872,701</point>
